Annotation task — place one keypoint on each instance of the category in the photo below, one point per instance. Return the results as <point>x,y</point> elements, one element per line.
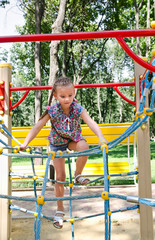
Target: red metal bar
<point>78,35</point>
<point>21,100</point>
<point>134,56</point>
<point>2,98</point>
<point>95,85</point>
<point>118,34</point>
<point>125,98</point>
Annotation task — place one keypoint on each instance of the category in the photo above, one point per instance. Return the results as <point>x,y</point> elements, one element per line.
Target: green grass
<point>19,161</point>
<point>118,153</point>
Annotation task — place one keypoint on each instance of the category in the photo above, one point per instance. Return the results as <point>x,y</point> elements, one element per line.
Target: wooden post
<point>144,168</point>
<point>5,162</point>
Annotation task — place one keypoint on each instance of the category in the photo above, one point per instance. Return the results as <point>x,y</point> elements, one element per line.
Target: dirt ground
<point>23,229</point>
<point>125,225</point>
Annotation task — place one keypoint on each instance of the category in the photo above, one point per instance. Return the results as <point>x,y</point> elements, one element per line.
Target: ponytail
<point>49,104</point>
<point>43,115</point>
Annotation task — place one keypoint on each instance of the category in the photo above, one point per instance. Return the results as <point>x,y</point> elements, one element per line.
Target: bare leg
<point>81,161</point>
<point>59,165</point>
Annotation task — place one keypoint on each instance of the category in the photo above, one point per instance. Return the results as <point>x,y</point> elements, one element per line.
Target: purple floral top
<point>65,128</point>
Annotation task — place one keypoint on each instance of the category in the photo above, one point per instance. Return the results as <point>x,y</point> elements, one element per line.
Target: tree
<point>148,26</point>
<point>56,28</point>
<point>39,11</point>
<point>137,9</point>
<point>3,55</point>
<point>4,2</point>
<point>85,61</point>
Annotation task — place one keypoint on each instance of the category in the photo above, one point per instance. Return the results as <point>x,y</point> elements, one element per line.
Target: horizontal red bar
<point>95,85</point>
<point>78,35</point>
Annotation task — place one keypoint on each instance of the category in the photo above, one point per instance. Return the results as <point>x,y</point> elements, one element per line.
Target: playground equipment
<point>141,118</point>
<point>110,131</point>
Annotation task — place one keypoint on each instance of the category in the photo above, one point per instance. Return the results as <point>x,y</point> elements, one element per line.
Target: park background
<point>85,61</point>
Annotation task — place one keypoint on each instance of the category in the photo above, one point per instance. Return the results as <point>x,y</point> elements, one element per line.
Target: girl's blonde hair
<point>60,82</point>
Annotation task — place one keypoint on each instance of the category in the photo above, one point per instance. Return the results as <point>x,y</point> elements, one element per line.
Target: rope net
<point>140,118</point>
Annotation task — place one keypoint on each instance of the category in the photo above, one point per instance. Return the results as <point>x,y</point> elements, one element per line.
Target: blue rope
<point>42,194</point>
<point>4,143</point>
<point>106,202</point>
<point>149,202</point>
<point>133,207</point>
<point>70,201</point>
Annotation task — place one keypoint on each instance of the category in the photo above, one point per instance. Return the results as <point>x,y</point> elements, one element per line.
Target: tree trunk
<point>98,105</point>
<point>137,27</point>
<point>39,10</point>
<point>54,46</point>
<point>64,64</point>
<point>137,8</point>
<point>105,106</point>
<point>148,26</point>
<point>121,111</point>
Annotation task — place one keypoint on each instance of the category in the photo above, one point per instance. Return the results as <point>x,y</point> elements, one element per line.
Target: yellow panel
<point>106,131</point>
<point>20,133</point>
<point>27,170</point>
<point>14,143</point>
<point>111,132</point>
<point>35,142</point>
<point>91,169</point>
<point>111,124</point>
<point>27,128</point>
<point>23,133</point>
<point>93,140</point>
<point>96,169</point>
<point>111,164</point>
<point>39,142</point>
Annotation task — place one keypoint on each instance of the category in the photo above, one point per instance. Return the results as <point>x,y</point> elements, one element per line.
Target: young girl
<point>65,133</point>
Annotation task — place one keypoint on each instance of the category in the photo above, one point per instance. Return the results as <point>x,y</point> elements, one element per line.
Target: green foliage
<point>152,126</point>
<point>85,61</point>
<point>3,55</point>
<point>3,3</point>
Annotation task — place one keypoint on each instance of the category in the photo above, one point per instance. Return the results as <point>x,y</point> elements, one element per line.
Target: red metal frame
<point>125,98</point>
<point>78,35</point>
<point>95,85</point>
<point>2,101</point>
<point>119,35</point>
<point>134,56</point>
<point>20,101</point>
